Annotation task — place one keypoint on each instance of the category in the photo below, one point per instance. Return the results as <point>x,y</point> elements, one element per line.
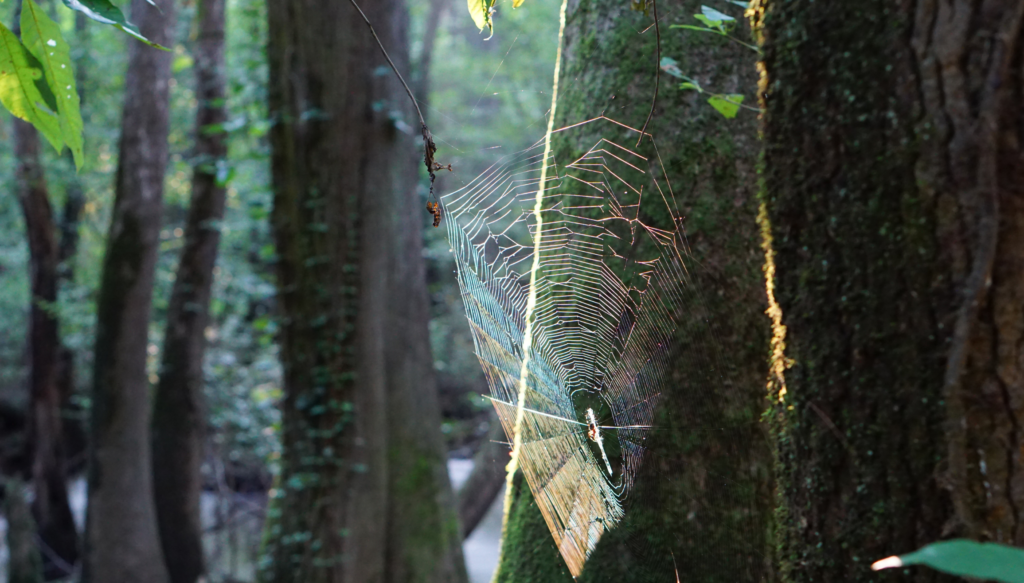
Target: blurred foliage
<point>489,98</point>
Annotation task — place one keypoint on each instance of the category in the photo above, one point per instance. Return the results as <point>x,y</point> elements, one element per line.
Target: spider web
<point>607,287</point>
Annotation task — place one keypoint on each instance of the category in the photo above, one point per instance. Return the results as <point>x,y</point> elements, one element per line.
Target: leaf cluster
<point>37,79</point>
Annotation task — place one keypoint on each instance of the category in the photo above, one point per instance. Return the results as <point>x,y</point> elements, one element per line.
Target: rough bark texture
<point>895,211</point>
<point>703,499</point>
<point>363,494</point>
<point>122,544</point>
<point>50,504</point>
<point>179,420</point>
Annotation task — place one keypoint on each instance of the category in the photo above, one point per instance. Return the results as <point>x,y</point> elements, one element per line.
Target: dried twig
<point>428,140</point>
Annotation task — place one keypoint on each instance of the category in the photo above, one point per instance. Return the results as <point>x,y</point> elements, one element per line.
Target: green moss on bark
<point>704,497</point>
<point>859,428</point>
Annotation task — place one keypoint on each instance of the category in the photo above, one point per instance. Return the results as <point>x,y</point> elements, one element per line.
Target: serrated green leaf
<point>967,559</point>
<point>42,37</point>
<point>23,89</point>
<point>727,105</point>
<point>105,12</point>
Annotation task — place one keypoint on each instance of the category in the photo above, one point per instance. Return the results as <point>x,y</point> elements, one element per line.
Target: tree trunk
<point>421,82</point>
<point>179,420</point>
<point>122,544</point>
<point>50,504</point>
<point>896,216</point>
<point>360,427</point>
<point>23,563</point>
<point>704,494</point>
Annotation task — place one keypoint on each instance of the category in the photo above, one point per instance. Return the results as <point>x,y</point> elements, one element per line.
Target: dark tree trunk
<point>24,564</point>
<point>122,544</point>
<point>703,499</point>
<point>179,419</point>
<point>895,210</point>
<point>50,505</point>
<point>421,82</point>
<point>360,427</point>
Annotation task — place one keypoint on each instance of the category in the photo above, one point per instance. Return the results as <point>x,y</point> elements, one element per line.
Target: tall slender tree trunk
<point>122,544</point>
<point>702,504</point>
<point>895,213</point>
<point>50,504</point>
<point>179,420</point>
<point>363,494</point>
<point>57,532</point>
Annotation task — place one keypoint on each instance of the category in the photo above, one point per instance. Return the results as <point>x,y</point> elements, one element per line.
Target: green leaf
<point>689,85</point>
<point>670,66</point>
<point>965,558</point>
<point>727,105</point>
<point>714,15</point>
<point>42,38</point>
<point>480,11</point>
<point>182,62</point>
<point>700,28</point>
<point>709,23</point>
<point>105,12</point>
<point>23,90</point>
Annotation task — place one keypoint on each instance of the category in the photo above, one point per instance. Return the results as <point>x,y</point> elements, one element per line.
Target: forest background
<point>240,292</point>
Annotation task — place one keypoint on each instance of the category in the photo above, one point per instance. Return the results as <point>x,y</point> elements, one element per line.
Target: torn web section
<point>600,323</point>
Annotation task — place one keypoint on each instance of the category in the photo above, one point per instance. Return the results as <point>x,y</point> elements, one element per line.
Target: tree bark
<point>421,82</point>
<point>122,544</point>
<point>702,507</point>
<point>24,564</point>
<point>896,217</point>
<point>50,505</point>
<point>179,420</point>
<point>360,426</point>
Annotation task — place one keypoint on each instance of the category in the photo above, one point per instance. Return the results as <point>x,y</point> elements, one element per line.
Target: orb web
<point>608,275</point>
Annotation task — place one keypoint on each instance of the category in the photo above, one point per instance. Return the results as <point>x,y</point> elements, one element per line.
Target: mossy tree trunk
<point>179,416</point>
<point>895,211</point>
<point>703,500</point>
<point>122,543</point>
<point>362,493</point>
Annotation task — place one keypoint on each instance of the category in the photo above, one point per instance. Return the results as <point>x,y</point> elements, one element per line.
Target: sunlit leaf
<point>182,62</point>
<point>105,12</point>
<point>24,91</point>
<point>727,105</point>
<point>42,38</point>
<point>480,11</point>
<point>714,15</point>
<point>965,558</point>
<point>517,3</point>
